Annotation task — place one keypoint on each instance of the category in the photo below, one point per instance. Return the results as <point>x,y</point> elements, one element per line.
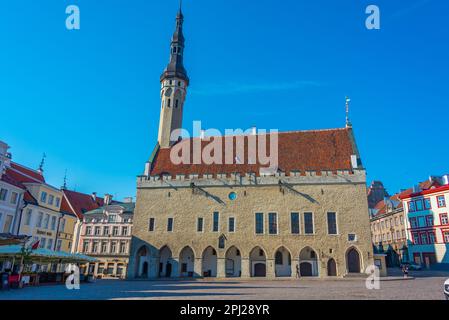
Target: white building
<point>11,194</point>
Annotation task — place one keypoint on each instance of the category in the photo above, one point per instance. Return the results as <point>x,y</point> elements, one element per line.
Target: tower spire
<point>41,165</point>
<point>64,186</point>
<point>174,83</point>
<point>348,122</point>
<point>175,67</point>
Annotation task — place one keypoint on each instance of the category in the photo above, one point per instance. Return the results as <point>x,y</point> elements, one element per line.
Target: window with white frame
<point>62,225</point>
<point>53,223</point>
<point>28,216</point>
<point>14,197</point>
<point>446,236</point>
<point>51,199</point>
<point>3,194</point>
<point>40,217</point>
<point>441,202</point>
<point>427,204</point>
<point>50,244</point>
<point>308,223</point>
<point>86,246</point>
<point>444,219</point>
<point>58,245</point>
<point>272,223</point>
<point>259,223</point>
<point>332,223</point>
<point>46,221</point>
<point>44,196</point>
<point>432,239</point>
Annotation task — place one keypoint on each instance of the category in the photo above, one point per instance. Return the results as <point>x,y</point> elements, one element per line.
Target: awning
<point>45,254</point>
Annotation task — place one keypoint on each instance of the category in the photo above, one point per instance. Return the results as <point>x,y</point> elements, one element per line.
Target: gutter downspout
<point>57,231</point>
<point>18,215</point>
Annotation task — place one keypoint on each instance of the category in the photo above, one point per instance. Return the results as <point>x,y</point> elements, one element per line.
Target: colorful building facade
<point>428,224</point>
<point>106,236</point>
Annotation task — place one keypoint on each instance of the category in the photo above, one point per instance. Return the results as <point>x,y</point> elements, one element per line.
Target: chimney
<point>94,196</point>
<point>128,200</point>
<point>147,169</point>
<point>445,179</point>
<point>354,161</point>
<point>107,199</point>
<point>253,131</point>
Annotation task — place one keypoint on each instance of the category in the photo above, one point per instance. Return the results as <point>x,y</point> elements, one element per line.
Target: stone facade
<point>345,195</point>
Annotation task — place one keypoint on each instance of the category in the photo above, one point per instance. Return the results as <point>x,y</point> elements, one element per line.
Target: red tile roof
<point>6,177</point>
<point>80,202</point>
<point>24,175</point>
<point>29,198</point>
<point>298,151</point>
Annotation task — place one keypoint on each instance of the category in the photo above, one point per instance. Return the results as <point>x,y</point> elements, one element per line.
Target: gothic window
<point>168,103</point>
<point>176,103</point>
<point>279,258</point>
<point>221,242</point>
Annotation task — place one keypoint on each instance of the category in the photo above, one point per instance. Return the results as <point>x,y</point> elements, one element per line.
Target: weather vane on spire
<point>64,186</point>
<point>41,165</point>
<point>348,122</point>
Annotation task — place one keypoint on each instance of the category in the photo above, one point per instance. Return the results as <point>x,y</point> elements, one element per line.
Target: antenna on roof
<point>41,165</point>
<point>348,123</point>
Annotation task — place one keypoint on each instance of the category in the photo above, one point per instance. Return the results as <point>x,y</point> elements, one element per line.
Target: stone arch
<point>142,262</point>
<point>209,263</point>
<point>258,262</point>
<point>331,268</point>
<point>308,262</point>
<point>187,262</point>
<point>233,262</point>
<point>166,262</point>
<point>353,260</point>
<point>283,262</point>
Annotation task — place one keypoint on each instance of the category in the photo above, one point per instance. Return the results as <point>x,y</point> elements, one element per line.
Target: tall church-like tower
<point>174,83</point>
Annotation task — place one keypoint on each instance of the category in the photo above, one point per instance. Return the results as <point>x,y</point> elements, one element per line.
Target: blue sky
<point>89,99</point>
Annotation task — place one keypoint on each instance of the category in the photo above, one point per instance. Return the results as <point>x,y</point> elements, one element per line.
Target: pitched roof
<point>396,199</point>
<point>22,174</point>
<point>79,203</point>
<point>303,151</point>
<point>127,208</point>
<point>6,177</point>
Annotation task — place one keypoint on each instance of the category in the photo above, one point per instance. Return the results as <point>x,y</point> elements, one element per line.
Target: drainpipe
<point>57,231</point>
<point>17,215</point>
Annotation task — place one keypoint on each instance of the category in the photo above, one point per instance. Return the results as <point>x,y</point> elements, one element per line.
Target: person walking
<point>297,272</point>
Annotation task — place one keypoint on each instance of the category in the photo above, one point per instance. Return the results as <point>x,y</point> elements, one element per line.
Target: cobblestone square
<point>425,286</point>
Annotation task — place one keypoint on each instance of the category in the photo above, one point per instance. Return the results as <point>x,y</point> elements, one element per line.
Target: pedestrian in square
<point>297,271</point>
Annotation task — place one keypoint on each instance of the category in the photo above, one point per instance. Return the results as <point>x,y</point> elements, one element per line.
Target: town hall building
<point>306,216</point>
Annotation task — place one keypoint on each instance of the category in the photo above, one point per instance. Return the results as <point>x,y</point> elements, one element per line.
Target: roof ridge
<point>245,134</point>
<point>28,168</point>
